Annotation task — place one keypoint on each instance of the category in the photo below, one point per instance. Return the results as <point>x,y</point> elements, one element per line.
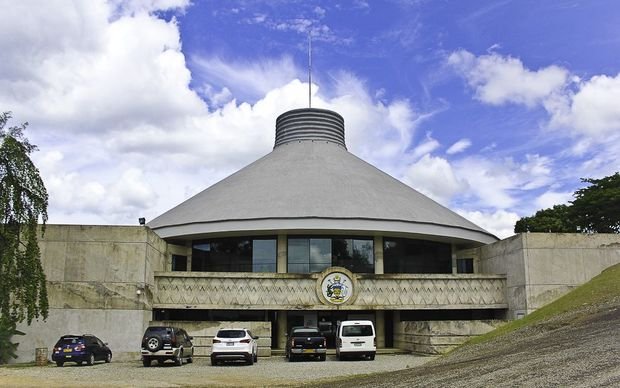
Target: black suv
<point>163,343</point>
<point>80,348</point>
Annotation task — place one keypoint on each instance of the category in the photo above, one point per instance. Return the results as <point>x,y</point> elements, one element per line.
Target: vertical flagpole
<point>309,70</point>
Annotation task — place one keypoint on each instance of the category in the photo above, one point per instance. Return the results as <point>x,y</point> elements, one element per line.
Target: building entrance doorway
<point>326,321</point>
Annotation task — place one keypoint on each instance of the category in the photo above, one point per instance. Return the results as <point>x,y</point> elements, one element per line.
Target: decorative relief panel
<point>286,291</point>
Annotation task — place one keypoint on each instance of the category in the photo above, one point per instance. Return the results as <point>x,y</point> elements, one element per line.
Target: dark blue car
<point>80,348</point>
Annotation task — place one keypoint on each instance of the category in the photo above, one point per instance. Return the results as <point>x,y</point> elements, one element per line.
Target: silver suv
<point>163,343</point>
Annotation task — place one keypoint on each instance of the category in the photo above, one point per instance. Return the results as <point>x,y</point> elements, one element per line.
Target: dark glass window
<point>310,255</point>
<point>465,265</point>
<point>298,255</point>
<point>320,254</point>
<point>264,254</point>
<point>356,255</point>
<point>179,263</point>
<point>234,255</point>
<point>416,256</point>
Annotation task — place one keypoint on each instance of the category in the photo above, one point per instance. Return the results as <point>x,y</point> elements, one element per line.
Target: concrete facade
<point>541,267</point>
<point>107,280</point>
<point>100,281</point>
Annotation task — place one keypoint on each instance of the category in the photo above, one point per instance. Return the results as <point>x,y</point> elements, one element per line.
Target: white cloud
<point>121,133</point>
<point>90,74</point>
<point>459,146</point>
<point>500,222</point>
<point>551,198</point>
<point>593,110</point>
<point>585,110</point>
<point>499,80</point>
<point>426,147</point>
<point>246,80</point>
<point>434,177</point>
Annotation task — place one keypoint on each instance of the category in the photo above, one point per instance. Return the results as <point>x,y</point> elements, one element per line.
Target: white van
<point>356,338</point>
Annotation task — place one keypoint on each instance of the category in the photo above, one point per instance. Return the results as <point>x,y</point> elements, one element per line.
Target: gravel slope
<point>581,349</point>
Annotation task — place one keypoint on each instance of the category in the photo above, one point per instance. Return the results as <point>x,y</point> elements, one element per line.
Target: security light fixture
<point>142,220</point>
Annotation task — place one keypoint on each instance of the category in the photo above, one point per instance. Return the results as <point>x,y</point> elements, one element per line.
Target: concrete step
<point>332,352</point>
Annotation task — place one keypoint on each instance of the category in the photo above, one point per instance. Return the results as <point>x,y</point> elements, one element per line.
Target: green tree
<point>595,209</point>
<point>556,219</point>
<point>23,203</point>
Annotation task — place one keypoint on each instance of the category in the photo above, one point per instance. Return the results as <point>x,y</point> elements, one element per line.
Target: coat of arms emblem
<point>337,288</point>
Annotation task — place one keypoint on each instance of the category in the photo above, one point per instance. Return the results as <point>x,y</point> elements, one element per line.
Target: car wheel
<point>146,362</point>
<point>178,360</point>
<point>91,359</point>
<point>154,343</point>
<point>371,357</point>
<point>213,361</point>
<point>59,363</point>
<point>291,358</point>
<point>190,360</point>
<point>255,357</point>
<point>322,357</point>
<point>108,358</point>
<point>249,360</point>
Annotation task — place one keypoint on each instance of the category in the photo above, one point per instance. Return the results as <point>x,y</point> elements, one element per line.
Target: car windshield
<point>70,341</point>
<point>306,332</point>
<point>357,331</point>
<point>231,333</point>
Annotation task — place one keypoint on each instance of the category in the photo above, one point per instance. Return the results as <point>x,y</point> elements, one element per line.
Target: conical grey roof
<point>311,183</point>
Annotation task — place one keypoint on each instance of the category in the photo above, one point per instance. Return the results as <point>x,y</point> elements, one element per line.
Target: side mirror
<point>191,338</point>
<point>256,337</point>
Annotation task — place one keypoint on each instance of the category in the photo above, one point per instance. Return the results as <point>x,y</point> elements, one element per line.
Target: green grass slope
<point>602,289</point>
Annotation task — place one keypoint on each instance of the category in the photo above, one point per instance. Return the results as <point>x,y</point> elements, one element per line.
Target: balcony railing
<point>271,291</point>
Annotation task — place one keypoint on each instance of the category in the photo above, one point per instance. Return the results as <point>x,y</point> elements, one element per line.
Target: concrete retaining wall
<point>541,267</point>
<point>438,337</point>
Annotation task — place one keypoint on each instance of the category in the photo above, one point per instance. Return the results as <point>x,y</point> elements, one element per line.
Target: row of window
<point>314,254</point>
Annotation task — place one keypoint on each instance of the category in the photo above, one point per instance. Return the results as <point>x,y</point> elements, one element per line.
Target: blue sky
<point>493,108</point>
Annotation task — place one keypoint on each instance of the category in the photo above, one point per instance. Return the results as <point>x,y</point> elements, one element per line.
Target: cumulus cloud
<point>593,109</point>
<point>107,93</point>
<point>434,177</point>
<point>499,80</point>
<point>85,73</point>
<point>499,222</point>
<point>551,198</point>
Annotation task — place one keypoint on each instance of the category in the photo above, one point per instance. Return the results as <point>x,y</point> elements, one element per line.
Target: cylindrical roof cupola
<point>310,124</point>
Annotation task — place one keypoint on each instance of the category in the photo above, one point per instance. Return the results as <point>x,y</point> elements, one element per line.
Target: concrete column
<point>378,252</point>
<point>380,328</point>
<point>282,253</point>
<point>281,332</point>
<point>454,269</point>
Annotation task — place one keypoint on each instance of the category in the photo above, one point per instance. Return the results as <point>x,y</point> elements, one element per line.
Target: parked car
<point>306,342</point>
<point>234,344</point>
<point>356,338</point>
<point>163,343</point>
<point>80,348</point>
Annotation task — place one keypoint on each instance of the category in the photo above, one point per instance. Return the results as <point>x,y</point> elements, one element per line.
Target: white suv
<point>234,344</point>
